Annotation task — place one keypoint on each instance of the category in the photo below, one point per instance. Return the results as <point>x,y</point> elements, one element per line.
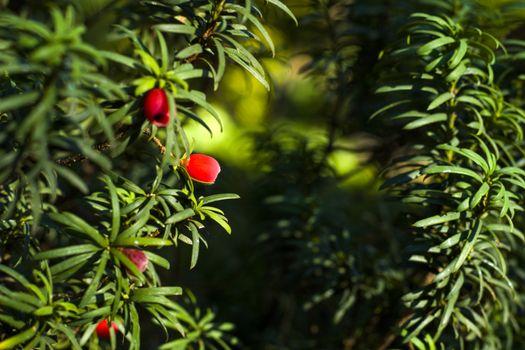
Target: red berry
<point>202,168</point>
<point>103,328</point>
<point>137,257</point>
<point>156,107</point>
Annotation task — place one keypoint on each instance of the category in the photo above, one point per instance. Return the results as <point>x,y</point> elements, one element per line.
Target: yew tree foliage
<point>72,124</point>
<point>462,171</point>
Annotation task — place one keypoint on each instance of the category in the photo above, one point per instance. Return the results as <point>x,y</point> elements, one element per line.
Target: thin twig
<point>155,140</point>
<point>105,146</point>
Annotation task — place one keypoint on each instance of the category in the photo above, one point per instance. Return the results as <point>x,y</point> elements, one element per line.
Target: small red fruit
<point>137,257</point>
<point>156,107</point>
<point>202,168</point>
<point>103,328</point>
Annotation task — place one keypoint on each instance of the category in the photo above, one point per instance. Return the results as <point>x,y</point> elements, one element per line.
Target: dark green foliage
<point>325,247</point>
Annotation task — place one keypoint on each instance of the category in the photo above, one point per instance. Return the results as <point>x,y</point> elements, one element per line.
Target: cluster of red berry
<point>140,260</point>
<point>200,167</point>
